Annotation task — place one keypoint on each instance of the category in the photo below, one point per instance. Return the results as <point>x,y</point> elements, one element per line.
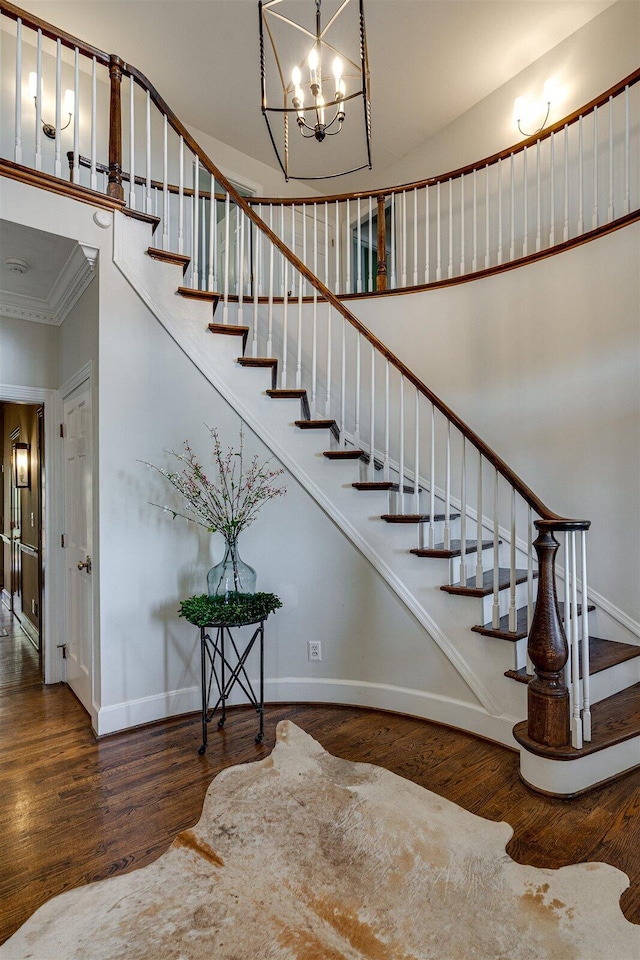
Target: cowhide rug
<point>303,856</point>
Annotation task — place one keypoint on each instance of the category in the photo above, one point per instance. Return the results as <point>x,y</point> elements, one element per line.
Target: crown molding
<point>72,281</point>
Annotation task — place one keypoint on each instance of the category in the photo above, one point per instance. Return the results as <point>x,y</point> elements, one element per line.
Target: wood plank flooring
<point>73,809</point>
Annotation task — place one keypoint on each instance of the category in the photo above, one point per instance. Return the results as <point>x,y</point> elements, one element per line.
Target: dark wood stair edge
<point>628,726</point>
<point>346,454</point>
<point>209,295</point>
<point>320,424</point>
<point>439,552</point>
<point>502,633</point>
<point>144,217</point>
<point>166,256</point>
<point>265,362</point>
<point>416,517</point>
<point>230,330</point>
<point>294,394</point>
<point>503,583</point>
<point>604,654</point>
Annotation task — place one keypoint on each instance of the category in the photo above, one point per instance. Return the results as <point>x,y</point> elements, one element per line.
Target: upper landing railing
<point>395,426</point>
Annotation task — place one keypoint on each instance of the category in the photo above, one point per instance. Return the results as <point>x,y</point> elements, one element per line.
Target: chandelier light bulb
<point>337,69</point>
<point>320,106</point>
<point>296,77</point>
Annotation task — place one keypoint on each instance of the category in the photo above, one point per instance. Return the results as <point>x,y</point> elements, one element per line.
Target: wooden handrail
<point>119,67</point>
<point>490,455</point>
<point>13,12</point>
<point>584,111</point>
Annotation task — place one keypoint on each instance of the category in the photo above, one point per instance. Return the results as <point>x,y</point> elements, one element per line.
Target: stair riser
<point>471,560</point>
<point>614,679</point>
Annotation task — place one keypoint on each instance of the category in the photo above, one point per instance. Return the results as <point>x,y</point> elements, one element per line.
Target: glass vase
<point>232,575</point>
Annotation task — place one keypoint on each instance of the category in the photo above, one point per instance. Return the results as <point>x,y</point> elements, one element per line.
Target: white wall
<point>543,362</point>
<point>78,335</point>
<point>594,58</point>
<point>28,353</point>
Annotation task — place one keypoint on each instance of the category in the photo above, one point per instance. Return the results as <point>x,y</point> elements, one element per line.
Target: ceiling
<point>203,57</point>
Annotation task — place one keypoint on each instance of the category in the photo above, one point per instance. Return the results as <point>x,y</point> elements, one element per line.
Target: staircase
<point>412,532</point>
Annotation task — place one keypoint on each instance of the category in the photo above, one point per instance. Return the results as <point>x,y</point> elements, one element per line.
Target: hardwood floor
<point>73,810</point>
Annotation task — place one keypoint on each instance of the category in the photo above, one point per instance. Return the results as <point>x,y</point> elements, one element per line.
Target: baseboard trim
<point>357,693</point>
<point>5,597</point>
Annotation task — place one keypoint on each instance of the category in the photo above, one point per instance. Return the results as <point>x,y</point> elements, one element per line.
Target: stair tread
<point>415,517</point>
<point>315,424</point>
<point>384,485</point>
<point>503,633</point>
<point>208,295</point>
<point>602,655</point>
<point>613,721</point>
<point>343,454</point>
<point>454,550</point>
<point>231,329</point>
<point>167,256</point>
<point>287,394</point>
<point>258,361</point>
<point>144,217</point>
<point>471,590</point>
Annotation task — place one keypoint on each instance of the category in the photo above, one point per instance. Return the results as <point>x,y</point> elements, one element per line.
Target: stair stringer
<point>244,390</point>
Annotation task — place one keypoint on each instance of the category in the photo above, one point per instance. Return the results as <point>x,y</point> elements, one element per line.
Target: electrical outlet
<point>314,649</point>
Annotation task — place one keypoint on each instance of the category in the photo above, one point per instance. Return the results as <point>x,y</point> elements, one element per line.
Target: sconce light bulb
<point>68,104</point>
<point>33,84</point>
<point>519,109</point>
<point>549,91</point>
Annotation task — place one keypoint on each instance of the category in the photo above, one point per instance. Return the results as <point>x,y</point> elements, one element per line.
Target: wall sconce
<point>527,110</point>
<point>68,105</point>
<point>21,465</point>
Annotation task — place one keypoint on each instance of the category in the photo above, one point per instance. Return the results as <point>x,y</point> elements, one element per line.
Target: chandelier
<point>320,75</point>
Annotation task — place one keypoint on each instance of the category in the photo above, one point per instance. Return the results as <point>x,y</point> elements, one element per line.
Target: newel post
<point>114,188</point>
<point>548,711</point>
<point>381,278</point>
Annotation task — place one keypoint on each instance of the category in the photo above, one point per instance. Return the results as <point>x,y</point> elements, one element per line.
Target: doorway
<point>21,517</point>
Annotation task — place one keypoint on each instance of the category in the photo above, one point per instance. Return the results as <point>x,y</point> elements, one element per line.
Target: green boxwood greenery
<point>234,610</point>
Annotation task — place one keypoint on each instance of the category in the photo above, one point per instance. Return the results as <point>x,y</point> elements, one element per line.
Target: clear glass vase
<point>232,575</point>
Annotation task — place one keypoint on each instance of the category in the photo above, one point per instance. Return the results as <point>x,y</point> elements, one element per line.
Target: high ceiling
<point>431,60</point>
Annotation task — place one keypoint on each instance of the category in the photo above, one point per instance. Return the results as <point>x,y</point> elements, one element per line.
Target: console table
<point>223,655</point>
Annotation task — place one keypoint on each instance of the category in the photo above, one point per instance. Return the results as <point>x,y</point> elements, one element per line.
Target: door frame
<point>52,626</point>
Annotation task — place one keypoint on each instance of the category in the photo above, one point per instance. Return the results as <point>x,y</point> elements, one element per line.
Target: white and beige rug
<point>303,856</point>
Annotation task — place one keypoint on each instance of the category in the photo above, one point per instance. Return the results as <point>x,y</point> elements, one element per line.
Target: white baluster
<point>438,234</point>
<point>487,251</point>
<point>225,273</point>
<point>132,149</point>
<point>256,274</point>
<point>525,212</point>
<point>314,355</point>
<point>57,159</point>
<point>403,256</point>
<point>17,149</point>
<point>195,256</point>
<point>76,116</point>
<point>450,268</point>
<point>359,249</point>
<point>281,256</point>
<point>38,137</point>
<point>343,381</point>
<point>610,208</point>
<point>594,216</point>
<point>181,196</point>
<point>356,432</point>
<point>393,242</point>
<point>149,203</point>
<point>294,273</point>
<point>479,538</point>
<point>299,340</point>
<point>372,414</point>
<point>347,250</point>
<point>269,291</point>
<point>337,243</point>
<point>538,199</point>
<point>474,259</point>
<point>463,513</point>
<point>326,244</point>
<point>495,615</point>
<point>370,272</point>
<point>165,187</point>
<point>387,421</point>
<point>327,407</point>
<point>303,212</point>
<point>576,719</point>
<point>447,492</point>
<point>432,481</point>
<point>552,191</point>
<point>565,231</point>
<point>627,153</point>
<point>512,245</point>
<point>580,178</point>
<point>93,179</point>
<point>512,566</point>
<point>315,240</point>
<point>586,682</point>
<point>211,275</point>
<point>401,459</point>
<point>567,618</point>
<point>462,256</point>
<point>415,236</point>
<point>416,457</point>
<point>500,210</point>
<point>427,265</point>
<point>240,215</point>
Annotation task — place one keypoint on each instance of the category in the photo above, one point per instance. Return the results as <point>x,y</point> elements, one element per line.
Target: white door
<point>78,546</point>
